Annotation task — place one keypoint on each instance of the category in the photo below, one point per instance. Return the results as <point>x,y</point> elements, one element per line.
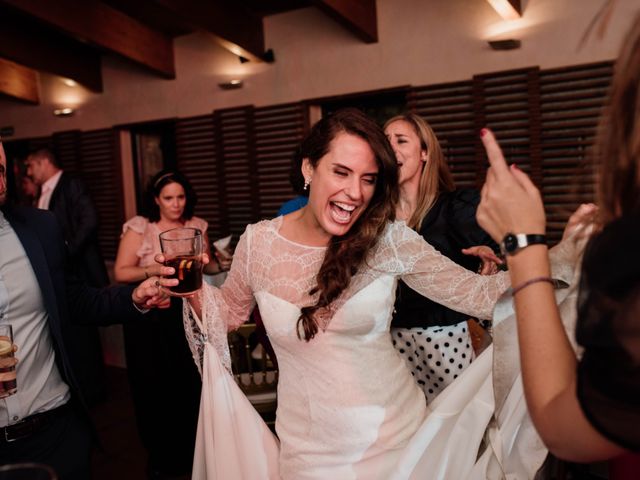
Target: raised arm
<point>511,203</point>
<point>437,277</point>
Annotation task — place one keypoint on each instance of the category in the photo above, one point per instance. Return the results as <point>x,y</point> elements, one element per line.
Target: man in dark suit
<point>46,421</point>
<point>67,197</point>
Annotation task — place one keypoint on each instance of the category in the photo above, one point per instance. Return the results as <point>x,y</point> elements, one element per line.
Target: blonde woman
<point>433,339</point>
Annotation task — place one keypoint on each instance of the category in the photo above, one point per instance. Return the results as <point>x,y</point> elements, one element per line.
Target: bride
<point>324,279</point>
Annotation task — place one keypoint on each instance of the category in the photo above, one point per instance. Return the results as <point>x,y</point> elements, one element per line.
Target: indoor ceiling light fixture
<point>507,9</point>
<point>69,83</point>
<point>231,84</point>
<point>63,112</point>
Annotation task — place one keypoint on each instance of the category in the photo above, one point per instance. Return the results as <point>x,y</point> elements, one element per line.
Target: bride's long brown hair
<point>346,253</point>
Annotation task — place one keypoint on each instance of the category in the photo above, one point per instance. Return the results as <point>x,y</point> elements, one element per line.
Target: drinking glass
<point>8,383</point>
<point>182,250</point>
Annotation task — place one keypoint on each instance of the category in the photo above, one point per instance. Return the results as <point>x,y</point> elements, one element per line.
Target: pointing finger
<point>494,152</point>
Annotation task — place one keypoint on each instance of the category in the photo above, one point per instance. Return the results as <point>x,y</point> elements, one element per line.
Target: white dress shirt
<point>47,189</point>
<point>40,385</point>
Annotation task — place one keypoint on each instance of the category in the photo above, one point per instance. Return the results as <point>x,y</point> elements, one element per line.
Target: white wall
<point>420,42</point>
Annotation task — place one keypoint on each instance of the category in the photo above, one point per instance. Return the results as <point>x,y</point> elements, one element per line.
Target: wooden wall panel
<point>449,110</point>
<point>99,162</point>
<point>278,131</point>
<point>196,155</point>
<point>571,101</point>
<point>236,163</point>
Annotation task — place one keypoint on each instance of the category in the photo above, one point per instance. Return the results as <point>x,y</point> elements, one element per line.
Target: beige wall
<point>421,42</point>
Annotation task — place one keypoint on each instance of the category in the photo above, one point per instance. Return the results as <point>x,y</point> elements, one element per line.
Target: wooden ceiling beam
<point>19,82</point>
<point>237,29</point>
<point>358,16</point>
<point>36,47</point>
<point>106,28</point>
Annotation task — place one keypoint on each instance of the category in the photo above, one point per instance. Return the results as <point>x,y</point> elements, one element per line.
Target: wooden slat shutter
<point>509,104</point>
<point>571,101</point>
<point>449,110</point>
<point>99,164</point>
<point>196,152</point>
<point>66,150</point>
<point>40,142</point>
<point>235,156</point>
<point>278,130</point>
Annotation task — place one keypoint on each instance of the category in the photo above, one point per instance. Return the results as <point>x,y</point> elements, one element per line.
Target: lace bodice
<point>266,261</point>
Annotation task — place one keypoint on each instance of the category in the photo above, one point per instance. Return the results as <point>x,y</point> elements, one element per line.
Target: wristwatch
<point>512,243</point>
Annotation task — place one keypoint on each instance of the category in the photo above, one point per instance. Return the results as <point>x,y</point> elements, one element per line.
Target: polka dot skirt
<point>436,356</point>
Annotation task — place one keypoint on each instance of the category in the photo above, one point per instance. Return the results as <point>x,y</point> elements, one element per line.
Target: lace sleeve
<point>436,277</point>
<point>223,309</point>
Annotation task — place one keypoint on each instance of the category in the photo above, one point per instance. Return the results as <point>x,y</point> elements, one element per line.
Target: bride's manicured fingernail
<point>484,131</point>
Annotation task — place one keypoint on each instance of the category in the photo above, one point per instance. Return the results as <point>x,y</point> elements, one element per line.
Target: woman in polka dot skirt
<point>434,340</point>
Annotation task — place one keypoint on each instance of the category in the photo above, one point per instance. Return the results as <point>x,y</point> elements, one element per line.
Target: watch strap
<point>514,242</point>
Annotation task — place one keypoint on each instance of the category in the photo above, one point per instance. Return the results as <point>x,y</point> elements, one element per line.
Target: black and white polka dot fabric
<point>436,356</point>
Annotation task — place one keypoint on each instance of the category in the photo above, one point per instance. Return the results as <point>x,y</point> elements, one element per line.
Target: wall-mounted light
<point>506,44</point>
<point>63,112</point>
<point>507,9</point>
<point>231,84</point>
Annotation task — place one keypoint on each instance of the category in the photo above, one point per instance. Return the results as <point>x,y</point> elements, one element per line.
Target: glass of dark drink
<point>8,382</point>
<point>182,250</point>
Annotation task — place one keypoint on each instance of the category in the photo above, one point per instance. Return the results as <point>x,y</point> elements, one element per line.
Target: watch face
<point>510,242</point>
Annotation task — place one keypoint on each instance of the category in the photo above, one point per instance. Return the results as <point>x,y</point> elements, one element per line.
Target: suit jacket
<point>71,204</point>
<point>65,296</point>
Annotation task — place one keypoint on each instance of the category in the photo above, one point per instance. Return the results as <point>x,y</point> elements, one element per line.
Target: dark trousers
<point>64,444</point>
<point>165,388</point>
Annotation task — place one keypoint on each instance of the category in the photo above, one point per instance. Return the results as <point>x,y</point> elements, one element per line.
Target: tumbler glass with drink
<point>182,250</point>
<point>8,383</point>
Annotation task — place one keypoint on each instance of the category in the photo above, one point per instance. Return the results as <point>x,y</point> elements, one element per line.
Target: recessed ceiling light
<point>231,84</point>
<point>63,112</point>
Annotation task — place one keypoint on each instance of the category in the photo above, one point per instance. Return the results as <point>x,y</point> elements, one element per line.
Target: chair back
<point>253,370</point>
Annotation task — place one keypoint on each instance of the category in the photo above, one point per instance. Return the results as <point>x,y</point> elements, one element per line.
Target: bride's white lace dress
<point>348,407</point>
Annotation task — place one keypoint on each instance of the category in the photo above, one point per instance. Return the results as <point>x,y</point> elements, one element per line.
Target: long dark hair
<point>151,210</point>
<point>617,150</point>
<point>345,254</point>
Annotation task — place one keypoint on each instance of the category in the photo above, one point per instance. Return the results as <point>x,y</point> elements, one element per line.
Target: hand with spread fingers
<point>490,261</point>
<point>580,221</point>
<point>510,201</point>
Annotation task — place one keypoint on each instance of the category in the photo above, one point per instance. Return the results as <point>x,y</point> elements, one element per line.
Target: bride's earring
<point>307,182</point>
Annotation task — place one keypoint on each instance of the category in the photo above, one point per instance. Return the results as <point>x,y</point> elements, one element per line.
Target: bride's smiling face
<point>342,183</point>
